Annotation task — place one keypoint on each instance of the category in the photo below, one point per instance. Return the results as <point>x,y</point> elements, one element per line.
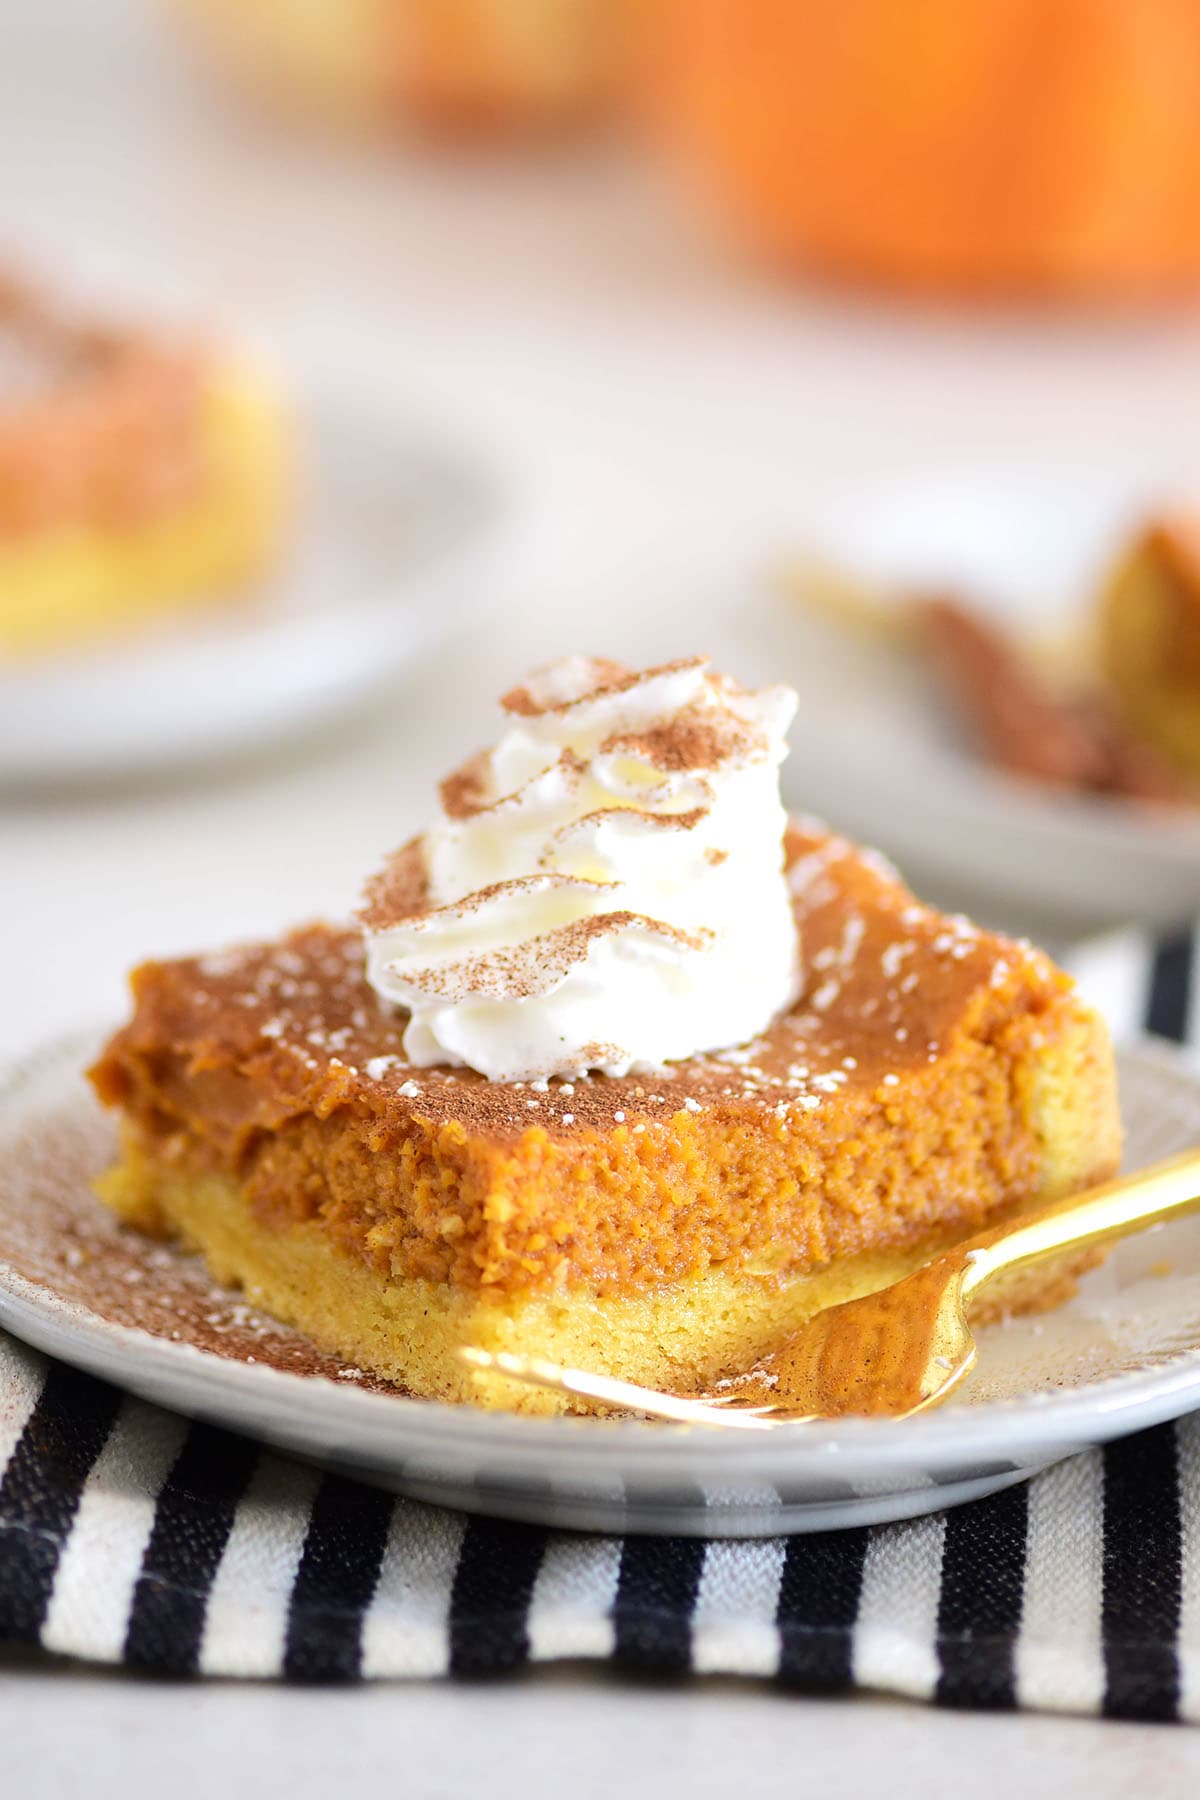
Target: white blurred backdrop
<point>665,421</point>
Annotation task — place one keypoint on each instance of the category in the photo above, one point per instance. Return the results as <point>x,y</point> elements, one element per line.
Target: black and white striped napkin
<point>129,1536</point>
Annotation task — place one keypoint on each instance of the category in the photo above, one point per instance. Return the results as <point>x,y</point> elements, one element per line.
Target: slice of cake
<point>453,65</point>
<point>1149,637</point>
<point>446,1135</point>
<point>135,475</point>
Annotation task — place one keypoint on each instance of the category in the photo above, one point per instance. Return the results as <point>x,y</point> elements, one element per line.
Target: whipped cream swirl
<point>605,888</point>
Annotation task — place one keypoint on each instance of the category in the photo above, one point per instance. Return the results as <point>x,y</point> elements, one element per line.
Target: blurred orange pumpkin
<point>977,145</point>
<point>444,63</point>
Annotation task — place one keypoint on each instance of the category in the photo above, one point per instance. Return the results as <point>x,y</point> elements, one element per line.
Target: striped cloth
<point>129,1536</point>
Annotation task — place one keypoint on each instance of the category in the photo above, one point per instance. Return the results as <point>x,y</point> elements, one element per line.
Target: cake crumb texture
<point>932,1078</point>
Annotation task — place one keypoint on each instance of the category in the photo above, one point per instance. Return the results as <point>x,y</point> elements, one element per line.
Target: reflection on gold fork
<point>898,1351</point>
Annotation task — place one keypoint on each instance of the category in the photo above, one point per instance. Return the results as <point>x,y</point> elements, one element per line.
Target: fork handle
<point>1114,1210</point>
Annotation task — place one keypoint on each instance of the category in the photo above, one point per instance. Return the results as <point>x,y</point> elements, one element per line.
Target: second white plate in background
<point>875,747</point>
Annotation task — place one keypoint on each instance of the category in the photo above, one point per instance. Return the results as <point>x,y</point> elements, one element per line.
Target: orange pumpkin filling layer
<point>932,1077</point>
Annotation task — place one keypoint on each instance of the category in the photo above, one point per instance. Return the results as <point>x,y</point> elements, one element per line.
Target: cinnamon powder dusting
<point>464,792</point>
<point>521,971</point>
<point>603,676</point>
<point>692,740</point>
<point>57,1235</point>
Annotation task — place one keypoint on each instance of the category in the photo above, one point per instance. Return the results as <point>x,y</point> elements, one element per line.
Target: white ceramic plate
<point>875,747</point>
<point>393,540</point>
<point>1124,1354</point>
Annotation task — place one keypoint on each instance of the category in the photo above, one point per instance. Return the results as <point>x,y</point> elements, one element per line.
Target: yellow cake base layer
<point>682,1336</point>
<point>81,581</point>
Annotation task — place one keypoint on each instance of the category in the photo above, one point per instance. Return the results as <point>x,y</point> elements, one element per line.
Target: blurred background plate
<point>395,540</point>
<point>875,744</point>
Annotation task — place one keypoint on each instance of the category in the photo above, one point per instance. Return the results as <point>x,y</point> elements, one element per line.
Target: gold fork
<point>902,1349</point>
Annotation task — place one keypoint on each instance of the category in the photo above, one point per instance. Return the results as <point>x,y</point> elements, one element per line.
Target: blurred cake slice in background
<point>446,64</point>
<point>1075,735</point>
<point>138,474</point>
